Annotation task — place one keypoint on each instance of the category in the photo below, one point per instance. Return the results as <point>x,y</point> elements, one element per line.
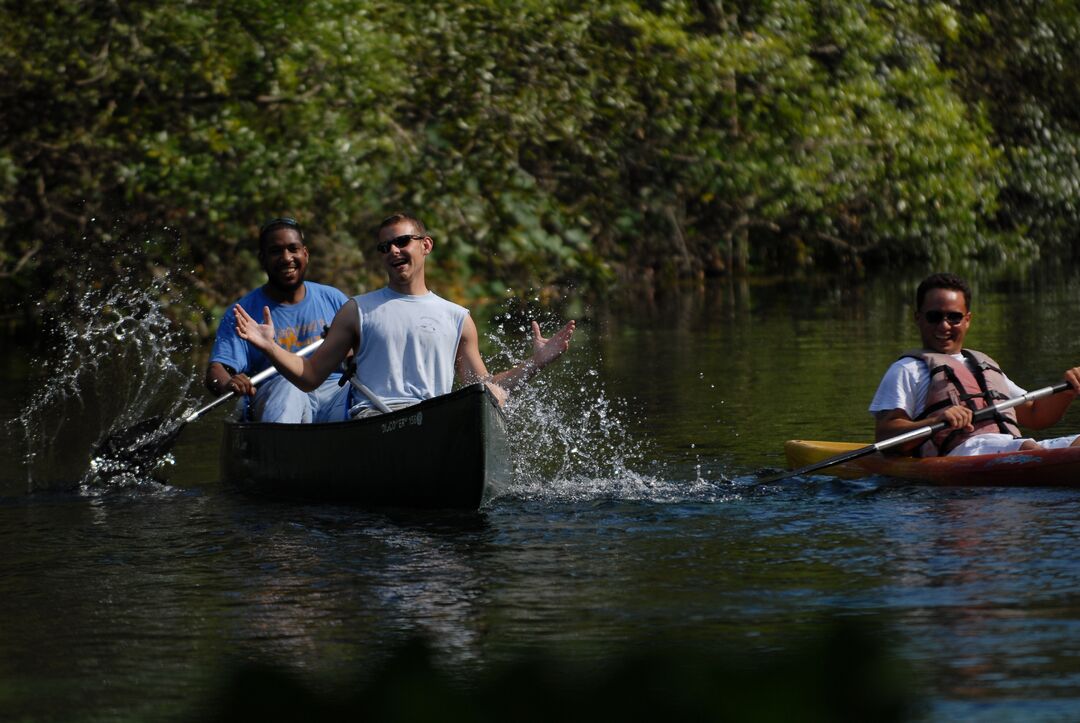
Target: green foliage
<point>546,143</point>
<point>203,117</point>
<point>1021,60</point>
<point>812,130</point>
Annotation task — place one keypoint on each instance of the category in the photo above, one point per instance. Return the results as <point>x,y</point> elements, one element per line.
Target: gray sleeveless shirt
<point>408,345</point>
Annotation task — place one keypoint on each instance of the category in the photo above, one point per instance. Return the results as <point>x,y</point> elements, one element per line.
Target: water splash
<point>571,442</point>
<point>116,358</point>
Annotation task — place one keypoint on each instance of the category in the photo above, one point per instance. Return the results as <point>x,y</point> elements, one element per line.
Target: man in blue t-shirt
<point>300,310</point>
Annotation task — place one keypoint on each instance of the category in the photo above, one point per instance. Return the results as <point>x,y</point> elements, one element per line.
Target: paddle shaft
<point>257,379</point>
<point>920,432</point>
<point>363,389</point>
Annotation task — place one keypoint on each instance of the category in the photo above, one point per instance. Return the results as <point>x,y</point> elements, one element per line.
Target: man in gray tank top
<point>410,344</point>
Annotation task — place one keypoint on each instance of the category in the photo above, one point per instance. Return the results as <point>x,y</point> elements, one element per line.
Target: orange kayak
<point>1041,468</point>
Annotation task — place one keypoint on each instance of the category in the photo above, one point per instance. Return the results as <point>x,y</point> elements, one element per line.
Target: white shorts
<point>995,443</point>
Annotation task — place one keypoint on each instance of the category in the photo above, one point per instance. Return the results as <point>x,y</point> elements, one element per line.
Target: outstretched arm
<point>471,368</point>
<point>1045,412</point>
<point>307,373</point>
<point>545,351</point>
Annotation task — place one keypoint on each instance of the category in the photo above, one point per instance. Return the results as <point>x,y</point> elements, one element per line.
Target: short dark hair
<point>274,224</point>
<point>398,217</point>
<point>951,282</point>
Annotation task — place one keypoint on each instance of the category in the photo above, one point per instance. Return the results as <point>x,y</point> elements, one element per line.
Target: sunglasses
<point>400,241</point>
<point>935,317</point>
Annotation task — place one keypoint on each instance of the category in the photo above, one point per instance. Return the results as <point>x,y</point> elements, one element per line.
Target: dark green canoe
<point>446,452</point>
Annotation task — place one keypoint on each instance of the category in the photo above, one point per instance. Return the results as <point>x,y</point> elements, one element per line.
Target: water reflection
<point>995,574</point>
<point>331,579</point>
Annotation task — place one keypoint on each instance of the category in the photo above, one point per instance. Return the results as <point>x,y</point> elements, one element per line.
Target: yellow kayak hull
<point>1044,467</point>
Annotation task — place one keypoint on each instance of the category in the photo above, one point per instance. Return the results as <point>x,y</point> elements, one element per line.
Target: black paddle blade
<point>830,462</point>
<point>138,447</point>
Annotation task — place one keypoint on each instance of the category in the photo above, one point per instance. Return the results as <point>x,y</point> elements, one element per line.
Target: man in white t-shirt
<point>963,381</point>
<point>421,341</point>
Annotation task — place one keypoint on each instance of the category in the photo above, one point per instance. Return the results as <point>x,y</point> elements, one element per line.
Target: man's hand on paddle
<point>1072,376</point>
<point>498,392</point>
<point>261,336</point>
<point>220,379</point>
<point>1039,414</point>
<point>894,422</point>
<point>241,384</point>
<point>957,417</point>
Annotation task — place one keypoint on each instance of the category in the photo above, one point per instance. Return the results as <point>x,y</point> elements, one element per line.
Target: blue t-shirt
<point>295,326</point>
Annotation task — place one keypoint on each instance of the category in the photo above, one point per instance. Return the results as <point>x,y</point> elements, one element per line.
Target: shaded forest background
<point>546,142</point>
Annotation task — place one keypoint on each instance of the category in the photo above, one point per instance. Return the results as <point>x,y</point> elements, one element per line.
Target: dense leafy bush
<point>1021,61</point>
<point>546,142</point>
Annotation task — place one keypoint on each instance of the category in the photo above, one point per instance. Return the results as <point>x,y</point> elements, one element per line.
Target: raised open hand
<point>546,351</point>
<point>260,335</point>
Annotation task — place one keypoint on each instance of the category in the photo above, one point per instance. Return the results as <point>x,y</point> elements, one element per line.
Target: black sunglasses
<point>401,242</point>
<point>935,317</point>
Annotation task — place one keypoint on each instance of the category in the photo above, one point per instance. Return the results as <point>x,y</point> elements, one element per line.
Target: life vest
<point>976,382</point>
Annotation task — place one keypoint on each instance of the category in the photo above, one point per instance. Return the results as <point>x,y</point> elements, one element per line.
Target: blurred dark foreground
<point>845,674</point>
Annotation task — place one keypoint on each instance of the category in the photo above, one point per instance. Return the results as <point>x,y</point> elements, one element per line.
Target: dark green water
<point>631,529</point>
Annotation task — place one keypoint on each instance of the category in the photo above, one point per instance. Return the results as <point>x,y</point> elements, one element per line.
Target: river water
<point>633,564</point>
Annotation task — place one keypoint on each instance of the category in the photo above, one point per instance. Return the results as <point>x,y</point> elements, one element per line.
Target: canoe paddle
<point>148,439</point>
<point>916,433</point>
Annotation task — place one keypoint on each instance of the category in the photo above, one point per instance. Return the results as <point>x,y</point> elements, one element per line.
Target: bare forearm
<point>545,351</point>
<point>296,369</point>
<point>894,428</point>
<point>896,422</point>
<point>217,376</point>
<point>1045,412</point>
<point>516,375</point>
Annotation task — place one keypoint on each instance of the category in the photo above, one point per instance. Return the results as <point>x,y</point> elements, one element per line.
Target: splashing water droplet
<point>568,440</point>
<point>114,363</point>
